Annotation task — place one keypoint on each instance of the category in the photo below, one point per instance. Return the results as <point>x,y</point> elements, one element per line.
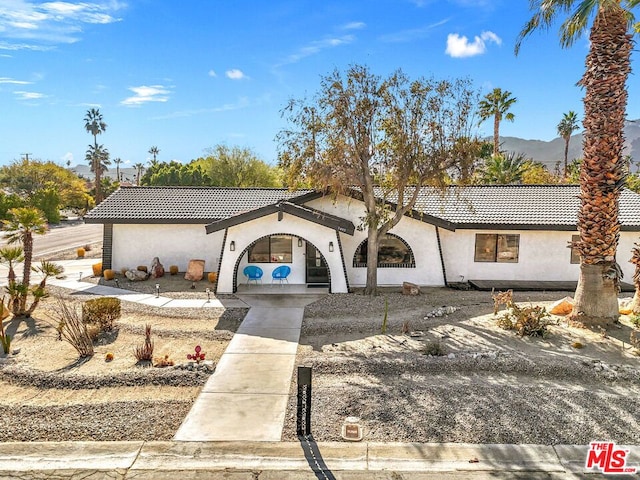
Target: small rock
<point>409,288</point>
<point>451,355</point>
<point>15,351</point>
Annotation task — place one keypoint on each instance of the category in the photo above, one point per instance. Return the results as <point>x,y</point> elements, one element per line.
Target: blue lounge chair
<point>252,273</point>
<point>281,273</point>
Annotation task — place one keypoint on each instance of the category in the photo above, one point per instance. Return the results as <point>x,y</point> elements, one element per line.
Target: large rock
<point>563,306</point>
<point>136,275</point>
<point>195,270</point>
<point>409,288</point>
<point>157,270</point>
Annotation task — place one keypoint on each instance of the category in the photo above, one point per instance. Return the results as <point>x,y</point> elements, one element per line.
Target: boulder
<point>195,270</point>
<point>157,270</point>
<point>409,288</point>
<point>136,275</point>
<point>563,306</point>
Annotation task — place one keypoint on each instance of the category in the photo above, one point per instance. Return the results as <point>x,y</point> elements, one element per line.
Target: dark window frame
<point>410,264</point>
<point>270,254</point>
<point>496,253</point>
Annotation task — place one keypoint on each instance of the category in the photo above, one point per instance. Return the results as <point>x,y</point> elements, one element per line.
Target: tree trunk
<point>603,169</point>
<point>596,298</point>
<point>372,262</point>
<point>96,169</point>
<point>566,156</point>
<point>496,135</point>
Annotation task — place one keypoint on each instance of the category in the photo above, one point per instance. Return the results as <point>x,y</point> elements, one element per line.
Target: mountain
<point>127,173</point>
<point>553,151</point>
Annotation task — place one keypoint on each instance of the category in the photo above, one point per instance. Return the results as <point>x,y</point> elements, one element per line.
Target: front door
<point>317,271</point>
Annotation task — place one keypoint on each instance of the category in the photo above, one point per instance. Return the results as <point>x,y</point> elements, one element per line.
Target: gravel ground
<point>113,421</point>
<point>517,391</point>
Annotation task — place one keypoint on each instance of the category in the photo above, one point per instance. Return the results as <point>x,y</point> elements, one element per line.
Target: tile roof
<point>527,206</point>
<point>184,204</point>
<point>541,207</point>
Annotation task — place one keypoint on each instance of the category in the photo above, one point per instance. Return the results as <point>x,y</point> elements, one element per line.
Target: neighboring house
<point>496,232</point>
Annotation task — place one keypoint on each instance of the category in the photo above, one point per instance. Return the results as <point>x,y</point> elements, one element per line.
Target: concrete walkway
<point>246,397</point>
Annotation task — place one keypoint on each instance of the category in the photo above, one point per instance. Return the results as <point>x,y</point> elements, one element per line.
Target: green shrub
<point>526,321</point>
<point>101,311</point>
<point>433,348</point>
<point>635,320</point>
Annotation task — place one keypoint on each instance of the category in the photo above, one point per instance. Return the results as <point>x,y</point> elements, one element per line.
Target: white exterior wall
<point>245,234</point>
<point>420,236</point>
<point>137,244</point>
<point>543,255</point>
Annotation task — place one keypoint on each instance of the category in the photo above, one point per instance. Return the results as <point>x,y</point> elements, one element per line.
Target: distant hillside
<point>551,152</point>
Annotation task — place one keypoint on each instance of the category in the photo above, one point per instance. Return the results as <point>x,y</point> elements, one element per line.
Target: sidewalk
<point>294,461</point>
<point>246,397</point>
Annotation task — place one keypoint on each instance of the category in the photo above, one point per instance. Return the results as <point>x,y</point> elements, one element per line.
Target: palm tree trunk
<point>566,156</point>
<point>496,135</point>
<point>96,169</point>
<point>602,172</point>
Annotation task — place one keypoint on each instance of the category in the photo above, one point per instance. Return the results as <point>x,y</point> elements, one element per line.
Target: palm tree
<point>154,151</point>
<point>117,161</point>
<point>25,222</point>
<point>566,127</point>
<point>602,173</point>
<point>505,169</point>
<point>139,168</point>
<point>11,255</point>
<point>497,104</point>
<point>94,124</point>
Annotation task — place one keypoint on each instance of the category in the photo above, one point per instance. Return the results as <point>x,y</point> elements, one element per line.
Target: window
<point>274,249</point>
<point>500,248</point>
<point>392,252</point>
<point>575,256</point>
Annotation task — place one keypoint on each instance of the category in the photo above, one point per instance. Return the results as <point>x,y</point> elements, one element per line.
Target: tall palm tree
<point>95,125</point>
<point>25,222</point>
<point>602,173</point>
<point>117,161</point>
<point>566,127</point>
<point>154,151</point>
<point>496,104</point>
<point>139,168</point>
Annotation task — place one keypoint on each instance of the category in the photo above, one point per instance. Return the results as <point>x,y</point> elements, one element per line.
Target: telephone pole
<point>25,156</point>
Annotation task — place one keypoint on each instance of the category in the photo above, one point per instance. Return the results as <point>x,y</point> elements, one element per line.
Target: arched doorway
<point>313,265</point>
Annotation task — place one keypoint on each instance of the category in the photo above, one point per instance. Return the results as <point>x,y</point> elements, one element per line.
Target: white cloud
<point>25,24</point>
<point>212,73</point>
<point>67,157</point>
<point>243,102</point>
<point>147,93</point>
<point>354,26</point>
<point>235,74</point>
<point>460,47</point>
<point>316,47</point>
<point>14,82</point>
<point>22,95</point>
<point>412,34</point>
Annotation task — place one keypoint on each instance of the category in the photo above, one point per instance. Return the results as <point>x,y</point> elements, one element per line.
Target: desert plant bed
<point>482,384</point>
<point>50,393</point>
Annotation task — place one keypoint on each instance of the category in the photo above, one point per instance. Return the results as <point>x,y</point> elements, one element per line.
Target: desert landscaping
<point>443,371</point>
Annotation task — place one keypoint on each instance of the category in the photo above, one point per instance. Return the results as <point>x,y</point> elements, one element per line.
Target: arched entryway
<point>270,251</point>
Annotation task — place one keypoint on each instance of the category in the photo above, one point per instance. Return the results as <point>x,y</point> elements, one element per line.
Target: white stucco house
<point>513,233</point>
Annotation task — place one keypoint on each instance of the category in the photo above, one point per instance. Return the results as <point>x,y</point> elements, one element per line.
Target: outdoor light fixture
<point>208,295</point>
<point>157,290</point>
<point>80,276</point>
<point>117,284</point>
<point>331,246</point>
<point>299,242</point>
<point>232,246</point>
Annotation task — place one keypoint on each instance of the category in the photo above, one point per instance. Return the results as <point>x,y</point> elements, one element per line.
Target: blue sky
<point>187,75</point>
